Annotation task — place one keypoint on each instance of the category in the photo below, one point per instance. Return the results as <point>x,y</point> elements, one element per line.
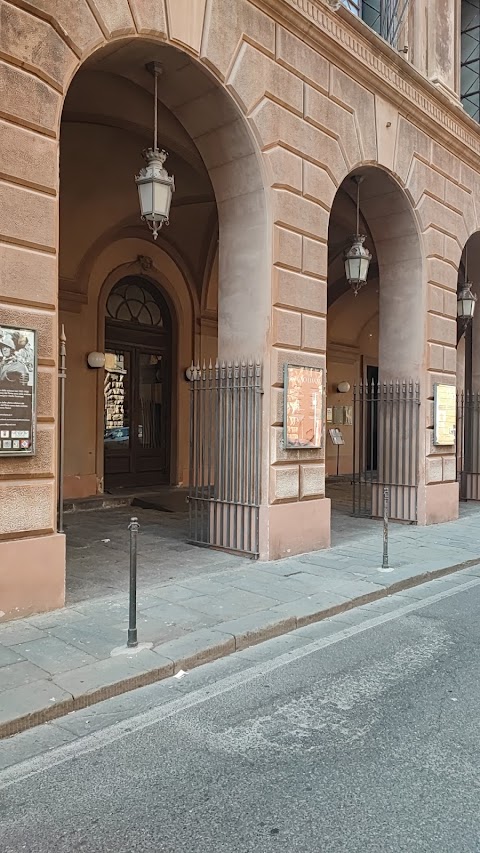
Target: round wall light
<point>96,360</point>
<point>343,387</point>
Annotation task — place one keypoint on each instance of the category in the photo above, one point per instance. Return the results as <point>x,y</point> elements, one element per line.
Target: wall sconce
<point>96,360</point>
<point>343,387</point>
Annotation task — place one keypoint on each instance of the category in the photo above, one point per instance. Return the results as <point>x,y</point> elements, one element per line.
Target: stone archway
<point>376,338</point>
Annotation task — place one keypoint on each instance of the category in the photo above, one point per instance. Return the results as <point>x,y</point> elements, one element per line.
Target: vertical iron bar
<point>132,639</point>
<point>258,426</point>
<point>404,480</point>
<point>62,375</point>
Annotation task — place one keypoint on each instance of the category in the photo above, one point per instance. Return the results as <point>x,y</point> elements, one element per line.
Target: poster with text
<point>303,417</point>
<point>18,374</point>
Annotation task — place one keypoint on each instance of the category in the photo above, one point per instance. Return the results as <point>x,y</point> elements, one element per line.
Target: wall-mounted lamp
<point>96,360</point>
<point>343,387</point>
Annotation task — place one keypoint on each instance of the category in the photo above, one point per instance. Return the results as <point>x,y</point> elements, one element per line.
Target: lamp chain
<point>155,113</point>
<point>358,208</point>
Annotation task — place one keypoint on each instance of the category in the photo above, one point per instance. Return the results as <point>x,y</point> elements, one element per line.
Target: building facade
<point>267,108</point>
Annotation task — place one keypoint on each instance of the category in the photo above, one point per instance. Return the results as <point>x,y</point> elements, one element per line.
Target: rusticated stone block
<point>46,392</point>
<point>449,468</point>
<point>27,506</point>
<point>276,125</point>
<point>423,178</point>
<point>28,275</point>
<point>287,248</point>
<point>450,359</point>
<point>298,291</point>
<point>284,483</point>
<point>226,25</point>
<point>28,157</point>
<point>287,327</point>
<point>442,329</point>
<point>442,273</point>
<point>255,75</point>
<point>433,212</point>
<point>149,16</point>
<point>413,142</point>
<point>286,168</point>
<point>318,184</point>
<point>27,216</point>
<point>327,115</point>
<point>315,257</point>
<point>35,45</point>
<point>76,20</point>
<point>278,452</point>
<point>434,470</point>
<point>314,333</point>
<point>296,212</point>
<point>353,95</point>
<point>115,16</point>
<point>445,161</point>
<point>435,357</point>
<point>27,99</point>
<point>185,22</point>
<point>302,60</point>
<point>312,481</point>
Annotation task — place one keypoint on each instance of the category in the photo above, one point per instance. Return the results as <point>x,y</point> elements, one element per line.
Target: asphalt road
<point>359,735</point>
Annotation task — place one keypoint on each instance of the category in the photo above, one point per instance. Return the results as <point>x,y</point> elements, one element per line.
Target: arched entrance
<point>137,386</point>
<point>375,352</point>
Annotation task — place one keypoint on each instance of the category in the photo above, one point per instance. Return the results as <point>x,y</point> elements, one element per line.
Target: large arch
<point>377,336</point>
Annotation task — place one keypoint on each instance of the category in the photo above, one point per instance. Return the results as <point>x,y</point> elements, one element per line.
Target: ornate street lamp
<point>465,306</point>
<point>357,258</point>
<point>155,185</point>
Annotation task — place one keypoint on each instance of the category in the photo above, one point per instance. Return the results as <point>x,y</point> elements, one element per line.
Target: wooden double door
<point>137,405</point>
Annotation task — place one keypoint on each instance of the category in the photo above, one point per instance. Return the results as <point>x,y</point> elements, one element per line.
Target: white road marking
<point>91,743</point>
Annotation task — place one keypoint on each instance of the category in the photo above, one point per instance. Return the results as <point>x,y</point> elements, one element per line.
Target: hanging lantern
<point>155,185</point>
<point>356,257</point>
<point>465,304</point>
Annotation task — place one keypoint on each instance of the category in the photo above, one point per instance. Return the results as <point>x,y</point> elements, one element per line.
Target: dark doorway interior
<point>372,420</point>
<point>138,347</point>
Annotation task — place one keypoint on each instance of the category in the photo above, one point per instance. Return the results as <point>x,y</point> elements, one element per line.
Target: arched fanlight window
<point>132,301</point>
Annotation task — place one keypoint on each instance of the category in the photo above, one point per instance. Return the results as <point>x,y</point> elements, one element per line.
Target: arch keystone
<point>186,23</point>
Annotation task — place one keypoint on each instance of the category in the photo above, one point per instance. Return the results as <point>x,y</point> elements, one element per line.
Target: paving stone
<point>20,631</point>
<point>32,742</point>
<point>88,679</point>
<point>274,647</point>
<point>19,674</point>
<point>197,648</point>
<point>54,655</point>
<point>23,700</point>
<point>185,617</point>
<point>231,604</point>
<point>92,640</point>
<point>8,656</point>
<point>260,626</point>
<point>278,588</point>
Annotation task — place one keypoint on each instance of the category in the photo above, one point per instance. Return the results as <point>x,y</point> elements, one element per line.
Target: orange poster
<point>303,415</point>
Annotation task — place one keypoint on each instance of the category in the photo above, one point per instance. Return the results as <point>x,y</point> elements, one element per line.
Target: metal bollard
<point>386,502</point>
<point>132,640</point>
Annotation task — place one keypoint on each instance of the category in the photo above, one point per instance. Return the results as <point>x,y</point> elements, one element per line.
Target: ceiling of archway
<point>106,123</point>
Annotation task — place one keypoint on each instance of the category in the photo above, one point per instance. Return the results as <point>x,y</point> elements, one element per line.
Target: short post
<point>132,640</point>
<point>386,502</point>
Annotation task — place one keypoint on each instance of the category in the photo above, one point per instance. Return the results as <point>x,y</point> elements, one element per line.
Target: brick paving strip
<point>56,663</point>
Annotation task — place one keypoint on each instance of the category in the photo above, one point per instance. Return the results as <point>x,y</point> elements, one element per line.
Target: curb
<point>219,650</point>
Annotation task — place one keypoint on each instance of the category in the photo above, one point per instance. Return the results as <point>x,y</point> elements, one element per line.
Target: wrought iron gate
<point>386,448</point>
<point>468,445</point>
<point>225,455</point>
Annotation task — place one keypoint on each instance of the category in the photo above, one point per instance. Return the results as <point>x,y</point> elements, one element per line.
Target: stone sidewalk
<point>58,662</point>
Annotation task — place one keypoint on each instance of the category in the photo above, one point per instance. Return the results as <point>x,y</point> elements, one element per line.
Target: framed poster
<point>18,378</point>
<point>444,414</point>
<point>303,406</point>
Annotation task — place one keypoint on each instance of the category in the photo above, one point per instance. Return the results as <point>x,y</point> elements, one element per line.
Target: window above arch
<point>470,58</point>
<point>385,17</point>
<point>132,301</point>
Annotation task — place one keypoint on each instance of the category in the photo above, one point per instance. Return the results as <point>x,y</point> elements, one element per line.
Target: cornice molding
<point>349,43</point>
